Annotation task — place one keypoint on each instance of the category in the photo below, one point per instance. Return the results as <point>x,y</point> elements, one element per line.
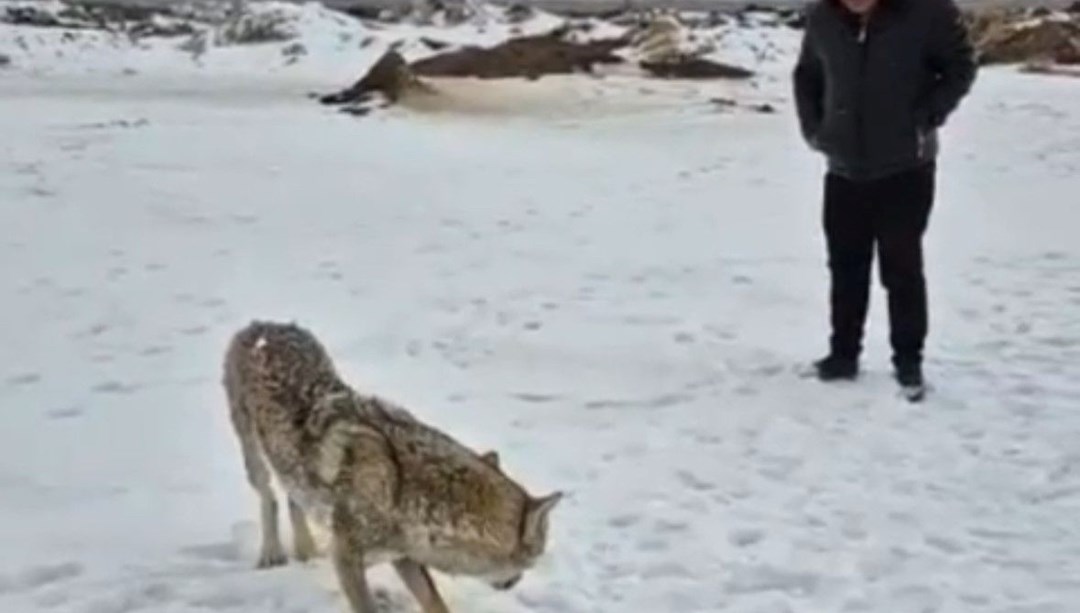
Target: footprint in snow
<point>40,192</point>
<point>916,598</point>
<point>692,481</point>
<point>536,398</point>
<point>621,522</point>
<point>215,552</point>
<point>746,390</point>
<point>20,380</point>
<point>147,597</point>
<point>761,579</point>
<point>244,219</point>
<point>548,601</point>
<point>65,413</point>
<point>671,527</point>
<point>116,272</point>
<point>154,350</point>
<point>219,601</point>
<point>37,577</point>
<point>114,387</point>
<point>744,537</point>
<point>683,338</point>
<point>605,404</point>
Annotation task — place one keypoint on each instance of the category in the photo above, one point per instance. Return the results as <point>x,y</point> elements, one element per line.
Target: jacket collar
<point>885,11</point>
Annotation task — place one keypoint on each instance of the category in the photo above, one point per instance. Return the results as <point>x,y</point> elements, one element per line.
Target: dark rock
<point>1046,40</point>
<point>163,29</point>
<point>29,16</point>
<point>356,110</point>
<point>112,12</point>
<point>696,68</point>
<point>434,45</point>
<point>390,76</point>
<point>519,13</point>
<point>528,56</point>
<point>794,19</point>
<point>294,51</point>
<point>362,12</point>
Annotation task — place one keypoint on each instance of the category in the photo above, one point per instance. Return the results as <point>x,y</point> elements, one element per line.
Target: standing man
<point>874,81</point>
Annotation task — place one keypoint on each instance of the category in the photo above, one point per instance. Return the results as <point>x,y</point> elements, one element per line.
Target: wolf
<point>387,487</point>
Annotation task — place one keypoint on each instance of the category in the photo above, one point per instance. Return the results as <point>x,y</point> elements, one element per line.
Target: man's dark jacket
<point>872,98</point>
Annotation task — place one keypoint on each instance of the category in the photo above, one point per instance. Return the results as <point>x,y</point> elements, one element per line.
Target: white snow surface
<point>611,285</point>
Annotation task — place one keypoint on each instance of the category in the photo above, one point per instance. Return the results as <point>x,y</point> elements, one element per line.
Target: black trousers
<point>891,215</point>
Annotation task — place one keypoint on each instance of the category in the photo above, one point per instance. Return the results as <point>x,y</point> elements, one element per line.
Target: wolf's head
<point>522,545</point>
<point>531,543</point>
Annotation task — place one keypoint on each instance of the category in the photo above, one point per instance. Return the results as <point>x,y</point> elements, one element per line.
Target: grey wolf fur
<point>388,487</point>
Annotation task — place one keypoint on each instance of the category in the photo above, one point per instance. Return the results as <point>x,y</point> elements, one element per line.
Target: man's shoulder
<point>817,11</point>
<point>817,8</point>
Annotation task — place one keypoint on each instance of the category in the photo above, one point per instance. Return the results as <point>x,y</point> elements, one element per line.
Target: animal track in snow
<point>692,481</point>
<point>622,522</point>
<point>684,338</point>
<point>65,413</point>
<point>217,552</point>
<point>536,398</point>
<point>744,537</point>
<point>145,597</point>
<point>37,577</point>
<point>656,402</point>
<point>114,387</point>
<point>546,602</point>
<point>915,598</point>
<point>755,579</point>
<point>28,378</point>
<point>661,571</point>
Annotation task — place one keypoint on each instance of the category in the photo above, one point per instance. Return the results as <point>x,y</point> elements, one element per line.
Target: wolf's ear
<point>536,518</point>
<point>490,458</point>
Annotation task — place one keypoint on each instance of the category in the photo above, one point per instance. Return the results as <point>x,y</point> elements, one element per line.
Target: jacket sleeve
<point>952,59</point>
<point>809,84</point>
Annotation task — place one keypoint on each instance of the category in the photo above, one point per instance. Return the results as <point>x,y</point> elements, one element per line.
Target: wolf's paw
<point>271,557</point>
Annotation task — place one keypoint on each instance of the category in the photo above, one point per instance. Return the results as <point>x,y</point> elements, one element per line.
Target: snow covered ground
<point>612,288</point>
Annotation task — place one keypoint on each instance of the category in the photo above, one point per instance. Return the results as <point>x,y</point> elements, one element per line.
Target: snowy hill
<point>307,40</point>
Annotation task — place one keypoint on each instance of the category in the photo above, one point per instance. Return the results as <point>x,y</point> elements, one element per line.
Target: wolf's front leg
<point>351,573</point>
<point>417,578</point>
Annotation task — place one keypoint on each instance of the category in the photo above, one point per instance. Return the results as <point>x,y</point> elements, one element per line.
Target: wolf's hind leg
<point>303,543</point>
<point>273,553</point>
<point>419,581</point>
<point>258,474</point>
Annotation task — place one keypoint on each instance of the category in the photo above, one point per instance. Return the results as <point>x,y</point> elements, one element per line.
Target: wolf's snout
<point>507,584</point>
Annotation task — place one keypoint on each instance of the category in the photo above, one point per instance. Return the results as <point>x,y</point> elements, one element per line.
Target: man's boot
<point>837,368</point>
